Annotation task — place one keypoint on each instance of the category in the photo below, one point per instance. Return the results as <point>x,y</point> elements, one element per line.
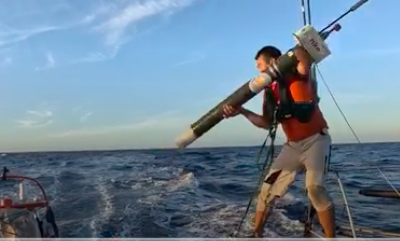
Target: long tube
<point>379,193</point>
<point>243,94</point>
<point>306,12</point>
<point>247,91</point>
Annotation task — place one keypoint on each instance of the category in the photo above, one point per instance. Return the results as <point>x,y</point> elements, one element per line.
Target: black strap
<point>267,164</point>
<point>51,219</point>
<point>270,104</point>
<point>5,171</point>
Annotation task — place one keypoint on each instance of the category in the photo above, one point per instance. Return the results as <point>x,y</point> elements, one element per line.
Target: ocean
<point>198,193</point>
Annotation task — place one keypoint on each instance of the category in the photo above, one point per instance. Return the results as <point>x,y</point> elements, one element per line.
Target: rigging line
<point>261,152</point>
<point>351,129</point>
<point>267,164</point>
<point>390,183</point>
<point>337,105</point>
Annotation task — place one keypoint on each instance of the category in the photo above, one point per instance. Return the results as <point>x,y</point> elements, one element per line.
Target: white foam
<point>288,199</point>
<point>221,220</point>
<point>185,180</point>
<point>107,206</point>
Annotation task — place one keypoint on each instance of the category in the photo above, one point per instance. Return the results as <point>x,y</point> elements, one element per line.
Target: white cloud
<point>196,57</point>
<point>9,36</point>
<point>77,108</point>
<point>36,119</point>
<point>94,57</point>
<point>50,62</point>
<point>121,20</point>
<point>81,113</point>
<point>112,20</point>
<point>86,116</point>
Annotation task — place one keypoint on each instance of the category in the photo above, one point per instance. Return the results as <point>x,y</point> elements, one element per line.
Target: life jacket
<point>289,105</point>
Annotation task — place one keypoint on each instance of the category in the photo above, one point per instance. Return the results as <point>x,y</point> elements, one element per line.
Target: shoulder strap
<point>285,97</point>
<point>314,86</point>
<point>269,104</point>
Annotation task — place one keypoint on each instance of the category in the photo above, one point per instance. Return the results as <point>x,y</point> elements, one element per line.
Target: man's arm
<point>305,61</point>
<point>254,118</point>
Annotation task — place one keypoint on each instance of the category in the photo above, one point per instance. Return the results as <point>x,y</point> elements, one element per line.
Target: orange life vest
<point>292,103</point>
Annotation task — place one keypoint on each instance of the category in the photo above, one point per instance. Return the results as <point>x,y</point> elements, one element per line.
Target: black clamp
<point>5,171</point>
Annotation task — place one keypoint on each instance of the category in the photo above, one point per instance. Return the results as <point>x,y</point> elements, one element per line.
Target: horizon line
<point>177,149</point>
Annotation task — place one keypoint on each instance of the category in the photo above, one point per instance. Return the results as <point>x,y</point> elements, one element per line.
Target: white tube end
<point>185,139</point>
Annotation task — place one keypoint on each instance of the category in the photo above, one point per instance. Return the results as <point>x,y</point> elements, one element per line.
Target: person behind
<point>292,103</point>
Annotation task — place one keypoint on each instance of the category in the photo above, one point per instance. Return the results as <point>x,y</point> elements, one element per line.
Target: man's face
<point>262,64</point>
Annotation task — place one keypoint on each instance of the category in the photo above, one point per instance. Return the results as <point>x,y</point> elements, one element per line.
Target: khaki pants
<point>312,153</point>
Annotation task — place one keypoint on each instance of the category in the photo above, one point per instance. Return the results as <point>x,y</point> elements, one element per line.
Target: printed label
<point>312,42</point>
<point>315,44</point>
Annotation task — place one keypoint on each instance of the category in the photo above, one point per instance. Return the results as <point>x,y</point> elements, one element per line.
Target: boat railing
<point>347,227</point>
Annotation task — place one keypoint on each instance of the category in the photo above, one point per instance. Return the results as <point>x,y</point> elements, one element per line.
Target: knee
<point>319,198</point>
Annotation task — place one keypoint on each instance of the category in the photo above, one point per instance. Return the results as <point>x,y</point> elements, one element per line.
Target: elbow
<point>303,69</point>
<point>305,62</point>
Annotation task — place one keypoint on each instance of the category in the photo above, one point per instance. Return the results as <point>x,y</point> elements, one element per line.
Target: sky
<point>86,75</point>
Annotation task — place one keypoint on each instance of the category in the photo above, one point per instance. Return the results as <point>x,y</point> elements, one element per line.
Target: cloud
<point>115,28</point>
<point>77,108</point>
<point>36,119</point>
<point>82,113</point>
<point>94,57</point>
<point>10,36</point>
<point>50,62</point>
<point>106,25</point>
<point>163,120</point>
<point>117,22</point>
<point>193,59</point>
<point>86,116</point>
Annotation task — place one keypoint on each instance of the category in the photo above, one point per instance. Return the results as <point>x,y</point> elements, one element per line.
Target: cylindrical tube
<point>243,94</point>
<point>379,193</point>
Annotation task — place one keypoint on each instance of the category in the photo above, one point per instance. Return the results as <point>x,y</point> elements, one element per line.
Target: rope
<point>350,127</point>
<point>259,156</point>
<point>359,142</point>
<point>337,105</point>
<point>266,167</point>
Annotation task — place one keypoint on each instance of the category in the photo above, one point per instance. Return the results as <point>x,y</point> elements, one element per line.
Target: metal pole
<point>313,76</point>
<point>353,231</point>
<point>310,211</point>
<point>303,10</point>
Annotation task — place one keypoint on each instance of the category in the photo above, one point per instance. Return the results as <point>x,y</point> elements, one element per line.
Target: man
<point>291,101</point>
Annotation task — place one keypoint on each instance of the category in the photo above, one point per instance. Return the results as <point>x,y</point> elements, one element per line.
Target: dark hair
<point>268,52</point>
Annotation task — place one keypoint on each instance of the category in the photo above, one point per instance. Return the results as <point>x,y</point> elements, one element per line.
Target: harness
<point>286,107</point>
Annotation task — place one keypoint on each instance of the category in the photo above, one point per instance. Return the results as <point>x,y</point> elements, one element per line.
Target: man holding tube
<point>292,103</point>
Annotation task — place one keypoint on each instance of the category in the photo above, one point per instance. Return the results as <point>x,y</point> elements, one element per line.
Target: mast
<point>313,75</point>
<point>303,11</point>
<point>310,212</point>
<point>306,12</point>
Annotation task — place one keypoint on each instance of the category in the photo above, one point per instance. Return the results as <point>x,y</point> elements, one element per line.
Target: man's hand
<point>229,111</point>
